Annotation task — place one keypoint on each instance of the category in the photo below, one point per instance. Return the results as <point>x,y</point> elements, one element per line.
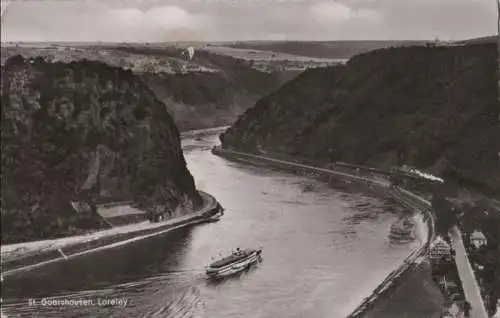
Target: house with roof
<point>478,239</point>
<point>454,311</point>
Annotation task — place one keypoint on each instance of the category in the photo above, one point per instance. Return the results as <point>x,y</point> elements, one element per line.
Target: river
<point>325,249</point>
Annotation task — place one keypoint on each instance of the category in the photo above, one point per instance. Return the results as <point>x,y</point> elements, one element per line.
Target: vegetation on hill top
<point>434,108</point>
<point>81,132</point>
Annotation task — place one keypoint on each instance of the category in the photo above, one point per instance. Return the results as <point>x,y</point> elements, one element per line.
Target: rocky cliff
<point>83,132</point>
<point>434,108</point>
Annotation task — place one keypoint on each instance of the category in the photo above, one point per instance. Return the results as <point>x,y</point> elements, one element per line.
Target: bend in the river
<point>318,241</point>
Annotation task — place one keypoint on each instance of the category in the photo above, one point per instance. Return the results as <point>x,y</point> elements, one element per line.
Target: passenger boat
<point>403,231</point>
<point>238,261</point>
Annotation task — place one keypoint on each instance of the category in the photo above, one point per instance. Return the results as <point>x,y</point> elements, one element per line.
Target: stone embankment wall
<point>14,262</point>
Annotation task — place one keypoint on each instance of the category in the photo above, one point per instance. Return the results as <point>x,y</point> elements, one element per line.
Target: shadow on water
<point>131,262</point>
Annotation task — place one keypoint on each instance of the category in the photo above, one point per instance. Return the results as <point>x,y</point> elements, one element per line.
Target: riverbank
<point>414,259</point>
<point>415,296</point>
<point>26,256</point>
<point>410,200</point>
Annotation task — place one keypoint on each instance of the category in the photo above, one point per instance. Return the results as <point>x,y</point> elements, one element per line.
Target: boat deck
<point>231,258</point>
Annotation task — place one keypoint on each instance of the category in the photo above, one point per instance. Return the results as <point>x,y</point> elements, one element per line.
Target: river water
<point>325,249</point>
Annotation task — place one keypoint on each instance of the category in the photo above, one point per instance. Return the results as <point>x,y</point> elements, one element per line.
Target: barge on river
<point>403,231</point>
<point>238,261</point>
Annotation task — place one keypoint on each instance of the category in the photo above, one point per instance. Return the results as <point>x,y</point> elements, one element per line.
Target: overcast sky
<point>219,20</point>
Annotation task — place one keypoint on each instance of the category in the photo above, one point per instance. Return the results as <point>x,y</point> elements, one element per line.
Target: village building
<point>478,239</point>
<point>439,249</point>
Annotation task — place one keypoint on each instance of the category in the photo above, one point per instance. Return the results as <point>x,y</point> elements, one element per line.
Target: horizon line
<point>494,35</point>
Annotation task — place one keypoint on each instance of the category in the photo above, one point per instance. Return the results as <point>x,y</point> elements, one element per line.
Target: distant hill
<point>208,99</point>
<point>209,90</point>
<point>322,49</point>
<point>434,108</point>
<point>482,40</point>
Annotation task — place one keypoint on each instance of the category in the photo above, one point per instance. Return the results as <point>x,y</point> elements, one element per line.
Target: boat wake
<point>184,282</point>
<point>182,305</point>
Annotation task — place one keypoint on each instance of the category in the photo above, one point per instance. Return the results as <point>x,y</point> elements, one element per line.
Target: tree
<point>446,215</point>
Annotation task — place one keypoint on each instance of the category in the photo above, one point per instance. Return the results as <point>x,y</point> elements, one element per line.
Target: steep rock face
<point>430,107</point>
<point>83,132</point>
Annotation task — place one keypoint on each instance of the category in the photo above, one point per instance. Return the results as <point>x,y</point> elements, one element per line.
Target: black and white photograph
<point>250,158</point>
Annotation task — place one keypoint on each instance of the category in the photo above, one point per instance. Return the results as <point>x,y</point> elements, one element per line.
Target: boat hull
<point>402,232</point>
<point>234,268</point>
<point>402,238</point>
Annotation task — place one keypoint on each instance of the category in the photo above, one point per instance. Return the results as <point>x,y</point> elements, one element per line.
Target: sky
<point>229,20</point>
